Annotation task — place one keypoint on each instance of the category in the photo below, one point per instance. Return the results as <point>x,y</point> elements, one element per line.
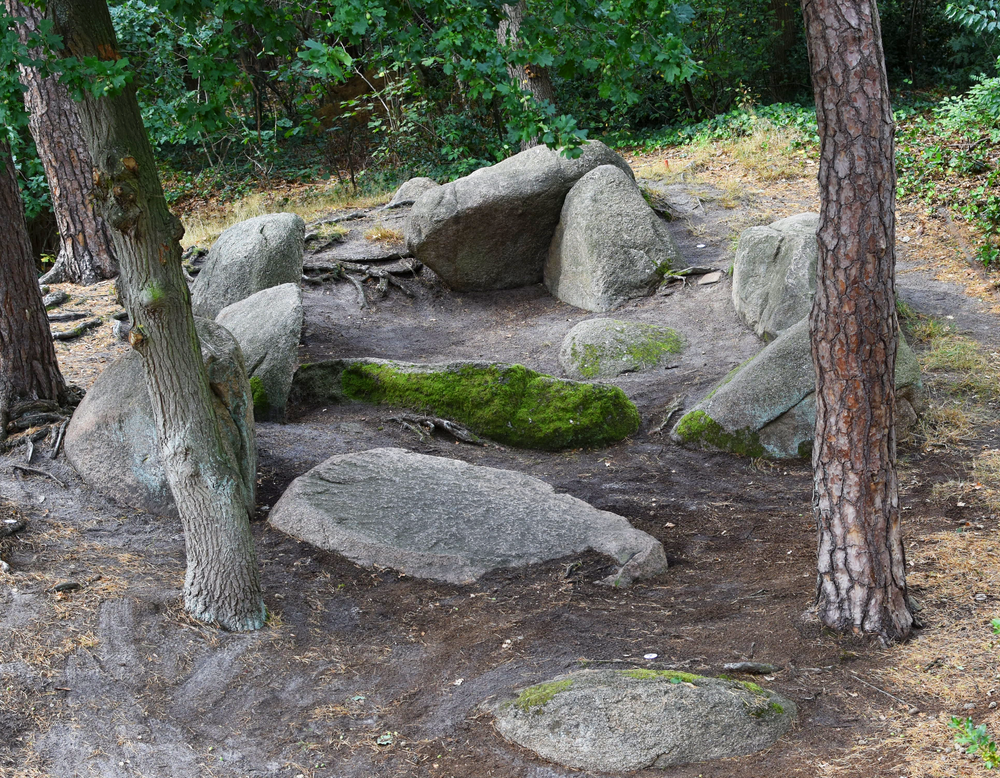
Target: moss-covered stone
<point>534,698</point>
<point>698,428</point>
<point>605,348</point>
<point>261,404</point>
<point>507,403</point>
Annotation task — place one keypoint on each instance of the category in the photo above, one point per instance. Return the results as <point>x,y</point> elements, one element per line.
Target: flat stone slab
<point>621,720</point>
<point>446,520</point>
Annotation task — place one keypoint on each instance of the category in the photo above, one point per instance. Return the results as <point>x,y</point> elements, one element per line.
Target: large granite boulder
<point>609,246</point>
<point>410,191</point>
<point>508,403</point>
<point>774,274</point>
<point>438,518</point>
<point>250,256</point>
<point>492,229</point>
<point>614,721</point>
<point>268,326</point>
<point>767,406</point>
<point>605,348</point>
<point>113,444</point>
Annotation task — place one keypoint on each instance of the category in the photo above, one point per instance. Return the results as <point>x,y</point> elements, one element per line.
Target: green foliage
<point>975,739</point>
<point>673,676</point>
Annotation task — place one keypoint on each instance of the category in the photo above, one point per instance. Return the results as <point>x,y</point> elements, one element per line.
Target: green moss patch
<point>507,403</point>
<point>261,405</point>
<point>622,347</point>
<point>655,675</point>
<point>534,698</point>
<point>698,428</point>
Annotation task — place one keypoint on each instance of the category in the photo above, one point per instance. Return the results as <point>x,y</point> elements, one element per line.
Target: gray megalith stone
<point>410,192</point>
<point>609,246</point>
<point>268,326</point>
<point>605,348</point>
<point>112,441</point>
<point>767,407</point>
<point>250,256</point>
<point>447,520</point>
<point>615,721</point>
<point>774,274</point>
<point>492,228</point>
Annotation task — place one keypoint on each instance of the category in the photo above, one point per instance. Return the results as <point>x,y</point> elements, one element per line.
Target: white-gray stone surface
<point>609,246</point>
<point>605,348</point>
<point>409,192</point>
<point>446,520</point>
<point>492,228</point>
<point>112,441</point>
<point>616,721</point>
<point>774,274</point>
<point>250,256</point>
<point>268,326</point>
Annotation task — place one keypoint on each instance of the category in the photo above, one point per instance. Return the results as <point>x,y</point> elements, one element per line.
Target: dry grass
<point>202,228</point>
<point>382,234</point>
<point>773,153</point>
<point>955,661</point>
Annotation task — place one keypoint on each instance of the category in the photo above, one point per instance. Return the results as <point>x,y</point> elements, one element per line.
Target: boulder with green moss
<point>609,246</point>
<point>605,348</point>
<point>507,403</point>
<point>615,721</point>
<point>767,406</point>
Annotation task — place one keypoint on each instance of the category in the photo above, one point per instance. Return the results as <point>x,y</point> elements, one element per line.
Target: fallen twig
<point>675,405</point>
<point>35,471</point>
<point>77,331</point>
<point>428,424</point>
<point>883,691</point>
<point>59,439</point>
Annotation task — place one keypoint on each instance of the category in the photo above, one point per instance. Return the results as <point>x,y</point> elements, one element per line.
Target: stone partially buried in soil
<point>622,720</point>
<point>605,348</point>
<point>507,403</point>
<point>113,444</point>
<point>250,256</point>
<point>609,246</point>
<point>446,520</point>
<point>492,228</point>
<point>767,406</point>
<point>268,325</point>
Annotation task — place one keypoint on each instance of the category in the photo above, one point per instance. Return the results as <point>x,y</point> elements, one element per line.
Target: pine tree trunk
<point>861,585</point>
<point>86,255</point>
<point>28,366</point>
<point>213,493</point>
<point>530,78</point>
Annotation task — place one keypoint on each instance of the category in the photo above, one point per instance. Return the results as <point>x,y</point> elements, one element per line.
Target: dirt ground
<point>363,673</point>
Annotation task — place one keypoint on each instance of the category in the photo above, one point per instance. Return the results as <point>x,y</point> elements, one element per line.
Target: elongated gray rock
<point>268,325</point>
<point>111,439</point>
<point>609,246</point>
<point>492,229</point>
<point>250,256</point>
<point>774,274</point>
<point>767,407</point>
<point>605,348</point>
<point>447,520</point>
<point>616,721</point>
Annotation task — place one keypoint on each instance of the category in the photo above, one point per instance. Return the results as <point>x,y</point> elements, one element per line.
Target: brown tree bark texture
<point>212,487</point>
<point>86,255</point>
<point>530,78</point>
<point>861,584</point>
<point>28,366</point>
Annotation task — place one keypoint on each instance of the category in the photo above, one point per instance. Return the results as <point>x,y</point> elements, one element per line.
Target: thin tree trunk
<point>213,490</point>
<point>530,78</point>
<point>861,584</point>
<point>28,366</point>
<point>86,255</point>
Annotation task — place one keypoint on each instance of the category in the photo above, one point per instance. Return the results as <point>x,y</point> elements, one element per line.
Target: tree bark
<point>28,366</point>
<point>530,78</point>
<point>86,255</point>
<point>212,487</point>
<point>861,585</point>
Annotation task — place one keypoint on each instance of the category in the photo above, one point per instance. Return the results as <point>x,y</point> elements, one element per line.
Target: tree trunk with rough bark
<point>213,491</point>
<point>861,586</point>
<point>530,78</point>
<point>28,366</point>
